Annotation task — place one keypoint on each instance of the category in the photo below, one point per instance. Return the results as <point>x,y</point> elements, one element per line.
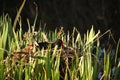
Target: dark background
<point>103,14</point>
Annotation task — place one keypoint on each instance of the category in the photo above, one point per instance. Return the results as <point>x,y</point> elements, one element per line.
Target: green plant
<point>5,31</point>
<point>45,64</point>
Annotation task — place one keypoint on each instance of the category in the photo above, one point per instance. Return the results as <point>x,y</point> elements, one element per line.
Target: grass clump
<point>26,61</point>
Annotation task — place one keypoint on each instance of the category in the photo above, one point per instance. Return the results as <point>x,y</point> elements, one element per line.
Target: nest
<point>66,57</point>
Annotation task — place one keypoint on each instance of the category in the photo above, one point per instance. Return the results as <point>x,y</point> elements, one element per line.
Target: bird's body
<point>46,45</point>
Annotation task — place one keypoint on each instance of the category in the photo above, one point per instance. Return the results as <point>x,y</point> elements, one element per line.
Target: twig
<point>18,15</point>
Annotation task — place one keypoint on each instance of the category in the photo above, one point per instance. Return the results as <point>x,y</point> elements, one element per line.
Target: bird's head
<point>58,42</point>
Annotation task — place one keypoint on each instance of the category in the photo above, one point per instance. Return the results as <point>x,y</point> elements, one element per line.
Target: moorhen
<point>45,45</point>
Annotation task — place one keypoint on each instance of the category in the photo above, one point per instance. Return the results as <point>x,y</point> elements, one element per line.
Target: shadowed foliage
<point>103,14</point>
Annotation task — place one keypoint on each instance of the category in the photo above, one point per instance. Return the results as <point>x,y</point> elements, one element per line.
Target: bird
<point>46,45</point>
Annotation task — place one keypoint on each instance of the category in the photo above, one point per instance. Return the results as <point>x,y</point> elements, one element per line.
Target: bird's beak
<point>63,44</point>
